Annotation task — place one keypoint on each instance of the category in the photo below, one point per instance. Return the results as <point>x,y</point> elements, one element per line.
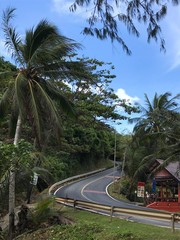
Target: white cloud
<point>121,93</point>
<point>63,7</point>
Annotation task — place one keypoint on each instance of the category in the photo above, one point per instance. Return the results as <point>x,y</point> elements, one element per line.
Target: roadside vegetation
<point>57,112</point>
<point>90,226</point>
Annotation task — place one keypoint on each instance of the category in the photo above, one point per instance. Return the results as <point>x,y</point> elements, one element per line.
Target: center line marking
<point>94,191</point>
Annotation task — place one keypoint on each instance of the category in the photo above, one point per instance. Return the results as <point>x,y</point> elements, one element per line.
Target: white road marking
<point>91,183</point>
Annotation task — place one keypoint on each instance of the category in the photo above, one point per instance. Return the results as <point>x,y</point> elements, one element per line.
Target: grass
<point>91,226</point>
<point>113,190</point>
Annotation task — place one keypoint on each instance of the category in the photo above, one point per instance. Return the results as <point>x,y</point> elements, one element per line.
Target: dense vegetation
<point>57,112</point>
<point>77,136</point>
<point>91,226</point>
<point>155,135</point>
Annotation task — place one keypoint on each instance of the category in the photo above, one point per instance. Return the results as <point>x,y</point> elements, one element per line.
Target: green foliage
<point>19,158</point>
<point>17,155</point>
<point>107,17</point>
<point>156,135</point>
<point>43,211</point>
<point>56,165</point>
<point>6,68</point>
<point>90,136</point>
<point>85,222</point>
<point>42,62</point>
<point>124,185</point>
<point>50,85</point>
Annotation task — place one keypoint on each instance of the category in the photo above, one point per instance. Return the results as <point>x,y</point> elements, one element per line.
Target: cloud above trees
<point>63,7</point>
<point>121,93</point>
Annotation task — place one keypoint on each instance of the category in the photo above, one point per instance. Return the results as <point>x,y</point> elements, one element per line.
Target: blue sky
<point>147,70</point>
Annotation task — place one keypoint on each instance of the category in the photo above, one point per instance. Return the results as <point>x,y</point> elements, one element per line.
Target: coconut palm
<point>153,132</point>
<point>158,114</point>
<point>41,60</point>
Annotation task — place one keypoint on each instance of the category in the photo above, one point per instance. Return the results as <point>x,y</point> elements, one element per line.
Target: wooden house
<point>166,195</point>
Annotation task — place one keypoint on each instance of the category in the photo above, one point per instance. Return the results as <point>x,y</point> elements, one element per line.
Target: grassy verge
<point>113,190</point>
<point>90,226</point>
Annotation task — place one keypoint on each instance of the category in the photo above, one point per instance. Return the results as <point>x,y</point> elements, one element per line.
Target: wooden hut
<point>167,191</point>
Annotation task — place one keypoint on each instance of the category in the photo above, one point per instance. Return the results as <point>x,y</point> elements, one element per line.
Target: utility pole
<point>114,156</point>
<point>124,159</point>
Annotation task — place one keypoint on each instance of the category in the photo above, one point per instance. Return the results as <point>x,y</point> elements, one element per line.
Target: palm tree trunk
<point>12,185</point>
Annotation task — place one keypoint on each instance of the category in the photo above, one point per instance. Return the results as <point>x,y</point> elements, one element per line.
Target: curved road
<point>94,189</point>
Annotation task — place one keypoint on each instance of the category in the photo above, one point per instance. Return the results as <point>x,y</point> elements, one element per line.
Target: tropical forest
<point>58,113</point>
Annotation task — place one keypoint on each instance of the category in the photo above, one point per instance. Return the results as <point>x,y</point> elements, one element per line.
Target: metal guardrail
<point>172,217</point>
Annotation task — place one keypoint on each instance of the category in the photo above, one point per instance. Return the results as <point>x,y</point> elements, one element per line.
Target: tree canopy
<point>107,18</point>
<point>155,135</point>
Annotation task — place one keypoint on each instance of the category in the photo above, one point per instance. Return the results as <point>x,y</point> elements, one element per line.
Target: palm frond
<point>144,164</point>
<point>148,103</point>
<point>34,110</point>
<point>67,70</point>
<point>66,105</point>
<point>44,45</point>
<point>21,93</point>
<point>172,104</point>
<point>50,108</point>
<point>12,39</point>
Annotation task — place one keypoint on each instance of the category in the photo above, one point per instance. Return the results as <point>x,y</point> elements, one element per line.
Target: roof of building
<point>173,168</point>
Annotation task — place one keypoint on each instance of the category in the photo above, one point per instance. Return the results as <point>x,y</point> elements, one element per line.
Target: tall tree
<point>41,59</point>
<point>154,131</point>
<point>90,138</point>
<point>105,16</point>
<point>157,115</point>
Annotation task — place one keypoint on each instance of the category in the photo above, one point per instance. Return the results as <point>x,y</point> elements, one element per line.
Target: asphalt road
<point>94,189</point>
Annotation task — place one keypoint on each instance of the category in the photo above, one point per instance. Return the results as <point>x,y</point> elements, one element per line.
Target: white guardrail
<point>110,210</point>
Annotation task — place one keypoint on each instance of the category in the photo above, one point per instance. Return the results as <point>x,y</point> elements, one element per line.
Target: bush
<point>43,211</point>
<point>124,186</point>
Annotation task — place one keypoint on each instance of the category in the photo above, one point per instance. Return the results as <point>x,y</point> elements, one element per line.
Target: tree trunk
<point>29,191</point>
<point>12,185</point>
<point>11,203</point>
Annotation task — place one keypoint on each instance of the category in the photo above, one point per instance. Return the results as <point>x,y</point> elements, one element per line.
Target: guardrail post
<point>74,204</point>
<point>111,213</point>
<point>173,221</point>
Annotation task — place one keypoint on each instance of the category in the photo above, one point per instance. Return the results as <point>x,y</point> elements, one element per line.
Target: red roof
<point>173,168</point>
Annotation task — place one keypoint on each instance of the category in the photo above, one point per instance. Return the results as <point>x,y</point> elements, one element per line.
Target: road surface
<point>94,189</point>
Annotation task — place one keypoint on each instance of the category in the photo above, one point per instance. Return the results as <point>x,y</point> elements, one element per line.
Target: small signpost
<point>140,189</point>
<point>34,179</point>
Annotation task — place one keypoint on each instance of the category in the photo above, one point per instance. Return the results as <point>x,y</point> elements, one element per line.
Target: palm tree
<point>157,115</point>
<point>153,132</point>
<point>41,60</point>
